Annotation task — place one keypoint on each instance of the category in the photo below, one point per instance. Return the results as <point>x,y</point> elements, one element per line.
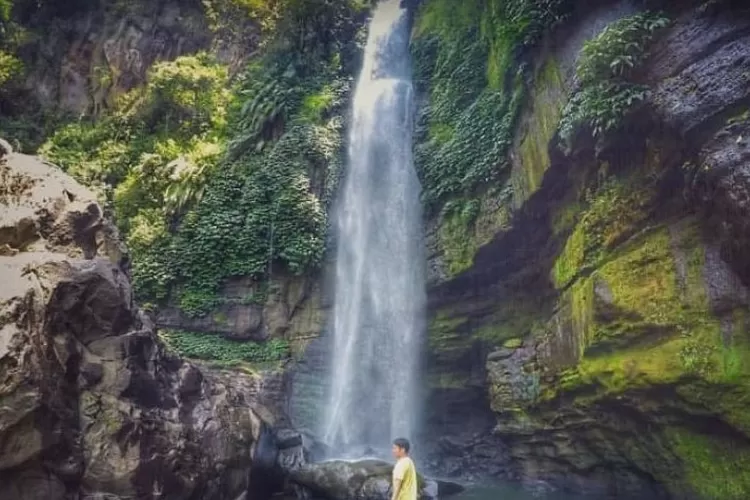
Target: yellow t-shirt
<point>407,474</point>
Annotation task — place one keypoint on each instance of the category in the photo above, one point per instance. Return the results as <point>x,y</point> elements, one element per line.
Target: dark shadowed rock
<point>91,404</point>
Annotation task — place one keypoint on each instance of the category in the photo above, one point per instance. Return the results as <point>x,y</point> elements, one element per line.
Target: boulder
<point>91,403</point>
<point>367,479</point>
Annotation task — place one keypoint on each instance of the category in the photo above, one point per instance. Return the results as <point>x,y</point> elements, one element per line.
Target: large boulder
<point>91,403</point>
<point>367,479</point>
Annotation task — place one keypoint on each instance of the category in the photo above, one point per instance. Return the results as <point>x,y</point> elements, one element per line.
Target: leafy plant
<point>10,67</point>
<point>621,48</point>
<point>605,71</point>
<point>469,59</point>
<point>212,347</point>
<point>601,107</point>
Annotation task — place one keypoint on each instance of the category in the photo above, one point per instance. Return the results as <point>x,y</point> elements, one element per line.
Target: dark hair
<point>402,443</point>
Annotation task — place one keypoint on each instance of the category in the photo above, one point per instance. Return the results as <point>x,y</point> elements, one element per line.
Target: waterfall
<point>378,314</point>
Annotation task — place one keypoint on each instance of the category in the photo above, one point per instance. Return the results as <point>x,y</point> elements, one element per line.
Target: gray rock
<point>5,148</point>
<point>367,479</point>
<point>92,403</point>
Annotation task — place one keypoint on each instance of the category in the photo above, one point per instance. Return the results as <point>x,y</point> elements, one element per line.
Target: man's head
<point>401,448</point>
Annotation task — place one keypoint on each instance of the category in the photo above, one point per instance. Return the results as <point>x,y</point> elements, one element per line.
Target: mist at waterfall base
<point>379,295</point>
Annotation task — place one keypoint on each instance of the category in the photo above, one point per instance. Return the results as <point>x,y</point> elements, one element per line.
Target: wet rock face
<point>290,307</point>
<point>90,402</point>
<point>723,187</point>
<point>619,372</point>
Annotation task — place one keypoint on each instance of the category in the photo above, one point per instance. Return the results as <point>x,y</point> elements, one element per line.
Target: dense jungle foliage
<point>208,174</point>
<point>211,175</point>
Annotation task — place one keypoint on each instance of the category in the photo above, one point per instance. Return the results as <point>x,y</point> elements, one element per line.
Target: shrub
<point>605,70</point>
<point>212,347</point>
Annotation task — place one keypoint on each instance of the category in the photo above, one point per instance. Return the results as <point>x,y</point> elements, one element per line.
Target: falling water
<point>379,294</point>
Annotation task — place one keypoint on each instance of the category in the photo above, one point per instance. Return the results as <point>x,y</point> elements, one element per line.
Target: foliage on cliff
<point>211,177</point>
<point>212,347</point>
<point>470,61</point>
<point>606,72</point>
<point>10,66</point>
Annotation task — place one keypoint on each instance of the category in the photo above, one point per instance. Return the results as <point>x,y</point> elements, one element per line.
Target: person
<point>404,472</point>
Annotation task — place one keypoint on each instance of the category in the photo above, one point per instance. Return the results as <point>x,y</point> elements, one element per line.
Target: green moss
<point>444,380</point>
<point>513,343</point>
<point>548,99</point>
<point>467,225</point>
<point>636,327</point>
<point>565,217</point>
<point>571,259</point>
<point>316,104</point>
<point>613,213</point>
<point>441,133</point>
<point>582,311</point>
<point>643,280</point>
<point>446,332</point>
<point>513,318</point>
<point>713,467</point>
<point>506,326</point>
<point>220,318</point>
<point>455,236</point>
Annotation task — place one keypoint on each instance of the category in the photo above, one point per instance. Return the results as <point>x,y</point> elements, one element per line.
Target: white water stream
<point>379,283</point>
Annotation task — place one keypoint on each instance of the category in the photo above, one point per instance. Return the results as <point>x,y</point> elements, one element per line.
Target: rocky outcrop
<point>91,403</point>
<point>288,307</point>
<point>367,479</point>
<point>89,56</point>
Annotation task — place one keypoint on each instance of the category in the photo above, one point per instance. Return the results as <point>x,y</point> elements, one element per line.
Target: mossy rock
<point>513,343</point>
<point>532,155</point>
<point>713,467</point>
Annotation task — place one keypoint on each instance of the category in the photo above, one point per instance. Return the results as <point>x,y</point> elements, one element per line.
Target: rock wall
<point>86,57</point>
<point>604,321</point>
<point>91,403</point>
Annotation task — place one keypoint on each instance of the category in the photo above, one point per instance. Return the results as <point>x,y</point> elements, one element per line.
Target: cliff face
<point>84,57</point>
<point>92,403</point>
<point>605,318</point>
<point>588,288</point>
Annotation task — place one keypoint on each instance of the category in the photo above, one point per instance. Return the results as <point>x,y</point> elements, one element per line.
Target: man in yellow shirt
<point>404,473</point>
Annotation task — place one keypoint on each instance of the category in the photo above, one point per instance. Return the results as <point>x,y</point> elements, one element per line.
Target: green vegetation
<point>712,467</point>
<point>447,332</point>
<point>459,218</point>
<point>647,331</point>
<point>613,213</point>
<point>211,178</point>
<point>513,343</point>
<point>605,70</point>
<point>466,225</point>
<point>212,347</point>
<point>10,66</point>
<point>468,59</point>
<point>548,98</point>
